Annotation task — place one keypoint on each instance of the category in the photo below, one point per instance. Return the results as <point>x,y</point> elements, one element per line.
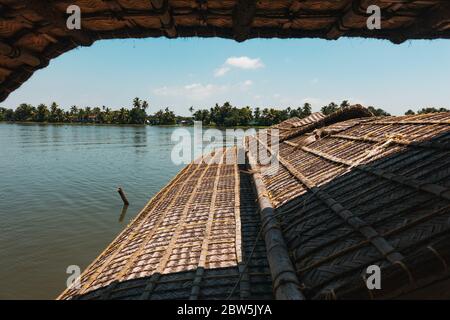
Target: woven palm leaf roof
<point>189,242</point>
<point>366,191</point>
<point>352,191</point>
<point>294,124</point>
<point>32,32</point>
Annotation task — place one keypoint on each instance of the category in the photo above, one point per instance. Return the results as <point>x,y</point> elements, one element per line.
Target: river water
<point>58,199</point>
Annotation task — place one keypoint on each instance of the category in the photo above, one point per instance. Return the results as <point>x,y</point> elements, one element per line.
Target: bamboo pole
<point>285,282</point>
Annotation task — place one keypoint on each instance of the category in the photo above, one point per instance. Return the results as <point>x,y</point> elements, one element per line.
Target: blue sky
<point>265,73</point>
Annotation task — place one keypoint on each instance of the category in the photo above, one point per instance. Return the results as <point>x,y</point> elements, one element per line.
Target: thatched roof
<point>189,242</point>
<point>33,32</point>
<point>292,125</point>
<point>351,190</point>
<point>366,191</point>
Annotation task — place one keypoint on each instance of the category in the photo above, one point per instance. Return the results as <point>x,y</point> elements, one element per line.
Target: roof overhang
<point>33,32</point>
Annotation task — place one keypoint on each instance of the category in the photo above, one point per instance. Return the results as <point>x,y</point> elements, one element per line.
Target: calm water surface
<point>58,199</point>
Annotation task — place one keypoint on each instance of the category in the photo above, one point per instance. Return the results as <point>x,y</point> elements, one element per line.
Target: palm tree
<point>73,110</point>
<point>108,116</point>
<point>123,115</point>
<point>41,113</point>
<point>136,102</point>
<point>345,104</point>
<point>330,108</point>
<point>87,114</point>
<point>81,114</point>
<point>97,112</point>
<point>59,115</point>
<point>306,110</point>
<point>257,114</point>
<point>54,112</point>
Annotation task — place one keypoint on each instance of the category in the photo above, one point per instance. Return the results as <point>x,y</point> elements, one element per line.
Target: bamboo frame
<point>285,283</point>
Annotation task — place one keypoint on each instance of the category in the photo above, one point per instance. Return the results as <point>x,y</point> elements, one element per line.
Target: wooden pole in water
<point>123,196</point>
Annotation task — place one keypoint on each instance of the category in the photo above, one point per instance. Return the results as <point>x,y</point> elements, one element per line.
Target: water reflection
<point>56,203</point>
<point>140,139</point>
<point>123,213</point>
<point>60,208</point>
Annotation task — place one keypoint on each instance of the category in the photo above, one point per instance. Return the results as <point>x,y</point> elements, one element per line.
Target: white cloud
<point>244,62</point>
<point>221,71</point>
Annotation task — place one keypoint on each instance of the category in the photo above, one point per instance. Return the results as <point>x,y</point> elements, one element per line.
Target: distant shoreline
<point>131,125</point>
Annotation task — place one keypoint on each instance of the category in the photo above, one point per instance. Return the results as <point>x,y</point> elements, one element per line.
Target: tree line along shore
<point>224,115</point>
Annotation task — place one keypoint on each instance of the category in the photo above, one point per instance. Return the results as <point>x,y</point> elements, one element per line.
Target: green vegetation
<point>333,107</point>
<point>426,110</point>
<point>165,117</point>
<point>54,114</point>
<point>229,116</point>
<point>225,115</point>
